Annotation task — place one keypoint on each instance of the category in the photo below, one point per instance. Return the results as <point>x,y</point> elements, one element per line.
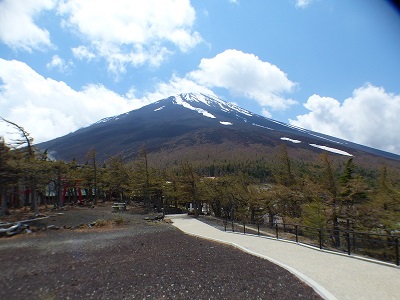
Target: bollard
<point>244,228</point>
<point>320,238</point>
<point>348,243</point>
<point>296,227</point>
<point>348,237</point>
<point>396,244</point>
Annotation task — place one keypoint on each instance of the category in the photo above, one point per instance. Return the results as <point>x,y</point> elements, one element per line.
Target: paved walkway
<point>333,276</point>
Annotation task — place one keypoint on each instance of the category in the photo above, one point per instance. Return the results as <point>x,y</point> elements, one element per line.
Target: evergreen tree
<point>330,188</point>
<point>284,173</point>
<point>93,173</point>
<point>353,192</point>
<point>315,209</point>
<point>146,182</point>
<point>117,178</point>
<point>8,176</point>
<point>188,186</point>
<point>287,192</point>
<point>387,201</point>
<point>24,145</point>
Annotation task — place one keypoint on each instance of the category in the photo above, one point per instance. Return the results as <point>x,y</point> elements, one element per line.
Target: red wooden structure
<point>75,185</point>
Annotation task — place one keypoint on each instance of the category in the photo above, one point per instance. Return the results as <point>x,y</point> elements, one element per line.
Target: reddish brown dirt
<point>138,260</point>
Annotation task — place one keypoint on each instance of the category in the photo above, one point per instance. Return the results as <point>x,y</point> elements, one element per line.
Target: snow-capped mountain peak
<point>196,99</point>
<point>182,99</point>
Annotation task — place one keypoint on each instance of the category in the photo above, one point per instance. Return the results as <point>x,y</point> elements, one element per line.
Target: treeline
<point>322,194</point>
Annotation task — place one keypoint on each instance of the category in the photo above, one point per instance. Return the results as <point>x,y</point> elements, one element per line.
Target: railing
<point>366,244</point>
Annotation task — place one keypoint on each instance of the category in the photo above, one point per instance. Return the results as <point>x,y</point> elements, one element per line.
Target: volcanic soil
<point>92,253</point>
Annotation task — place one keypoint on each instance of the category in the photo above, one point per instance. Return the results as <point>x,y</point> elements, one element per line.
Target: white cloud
<point>177,85</point>
<point>82,52</point>
<point>131,31</point>
<point>370,117</point>
<point>59,64</point>
<point>240,73</point>
<point>266,113</point>
<point>17,27</point>
<point>303,3</point>
<point>245,75</point>
<point>47,108</point>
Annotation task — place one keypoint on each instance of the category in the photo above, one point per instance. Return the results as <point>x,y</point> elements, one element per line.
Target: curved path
<point>333,276</point>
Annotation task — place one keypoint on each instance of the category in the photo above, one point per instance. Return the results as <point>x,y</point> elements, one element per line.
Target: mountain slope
<point>192,120</point>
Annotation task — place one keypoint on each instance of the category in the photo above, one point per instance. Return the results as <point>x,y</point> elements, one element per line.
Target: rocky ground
<point>96,254</point>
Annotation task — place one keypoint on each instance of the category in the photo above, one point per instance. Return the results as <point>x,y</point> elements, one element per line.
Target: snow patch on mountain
<point>309,132</point>
<point>180,100</point>
<point>321,137</point>
<point>280,123</point>
<point>226,123</point>
<point>254,124</point>
<point>333,150</point>
<point>104,120</point>
<point>198,98</point>
<point>224,109</point>
<point>290,140</point>
<point>241,110</point>
<point>160,108</point>
<point>212,101</point>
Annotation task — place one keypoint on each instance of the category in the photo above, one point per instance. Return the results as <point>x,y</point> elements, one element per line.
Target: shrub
<point>101,223</point>
<point>119,220</point>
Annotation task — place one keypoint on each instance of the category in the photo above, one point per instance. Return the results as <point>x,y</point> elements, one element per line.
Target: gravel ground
<point>138,260</point>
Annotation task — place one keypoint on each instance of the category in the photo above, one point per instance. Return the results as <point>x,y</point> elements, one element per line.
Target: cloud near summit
<point>47,108</point>
<point>369,117</point>
<point>50,108</point>
<point>245,75</point>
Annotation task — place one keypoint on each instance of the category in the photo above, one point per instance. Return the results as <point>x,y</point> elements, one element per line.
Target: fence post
<point>396,244</point>
<point>320,238</point>
<point>348,243</point>
<point>296,227</point>
<point>348,237</point>
<point>276,230</point>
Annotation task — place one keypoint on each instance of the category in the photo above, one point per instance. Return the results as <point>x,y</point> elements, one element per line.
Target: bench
<point>118,207</point>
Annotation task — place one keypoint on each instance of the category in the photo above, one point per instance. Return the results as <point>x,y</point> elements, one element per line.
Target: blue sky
<point>332,66</point>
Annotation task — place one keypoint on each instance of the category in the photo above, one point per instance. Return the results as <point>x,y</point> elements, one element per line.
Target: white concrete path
<point>333,276</point>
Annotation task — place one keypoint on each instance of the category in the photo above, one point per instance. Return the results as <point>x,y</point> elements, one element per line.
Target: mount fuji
<point>187,121</point>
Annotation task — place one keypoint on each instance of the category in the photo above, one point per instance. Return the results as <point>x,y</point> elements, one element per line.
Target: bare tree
<point>7,176</point>
<point>92,156</point>
<point>189,185</point>
<point>24,140</point>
